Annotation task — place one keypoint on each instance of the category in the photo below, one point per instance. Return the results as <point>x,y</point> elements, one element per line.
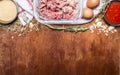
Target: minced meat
<point>57,9</point>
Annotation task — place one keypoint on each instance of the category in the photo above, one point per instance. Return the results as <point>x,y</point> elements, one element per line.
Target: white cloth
<point>25,11</point>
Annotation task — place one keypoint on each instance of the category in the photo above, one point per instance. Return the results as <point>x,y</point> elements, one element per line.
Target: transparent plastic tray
<point>78,20</point>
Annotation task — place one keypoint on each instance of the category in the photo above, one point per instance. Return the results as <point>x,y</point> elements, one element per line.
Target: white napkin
<point>25,11</point>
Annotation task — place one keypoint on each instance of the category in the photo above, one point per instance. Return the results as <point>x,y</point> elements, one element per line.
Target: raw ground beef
<point>57,9</point>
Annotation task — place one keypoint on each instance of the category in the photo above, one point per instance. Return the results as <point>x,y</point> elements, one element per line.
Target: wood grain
<point>49,52</point>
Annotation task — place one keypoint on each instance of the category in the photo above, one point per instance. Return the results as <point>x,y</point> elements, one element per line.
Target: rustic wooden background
<point>49,52</point>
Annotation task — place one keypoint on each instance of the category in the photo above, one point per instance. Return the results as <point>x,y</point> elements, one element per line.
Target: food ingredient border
<point>16,26</point>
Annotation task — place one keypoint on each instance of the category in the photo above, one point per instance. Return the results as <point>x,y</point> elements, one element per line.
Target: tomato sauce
<point>113,13</point>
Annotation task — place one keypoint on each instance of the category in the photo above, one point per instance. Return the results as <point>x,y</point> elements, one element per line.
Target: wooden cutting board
<point>50,52</point>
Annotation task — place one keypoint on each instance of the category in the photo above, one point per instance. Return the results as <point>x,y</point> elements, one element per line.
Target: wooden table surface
<point>50,52</point>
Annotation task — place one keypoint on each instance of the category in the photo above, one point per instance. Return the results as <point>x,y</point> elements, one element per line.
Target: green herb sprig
<point>67,29</point>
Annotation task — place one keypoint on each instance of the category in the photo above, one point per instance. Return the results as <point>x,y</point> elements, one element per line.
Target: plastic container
<point>78,20</point>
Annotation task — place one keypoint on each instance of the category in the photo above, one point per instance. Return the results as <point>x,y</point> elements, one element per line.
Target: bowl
<point>106,9</point>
